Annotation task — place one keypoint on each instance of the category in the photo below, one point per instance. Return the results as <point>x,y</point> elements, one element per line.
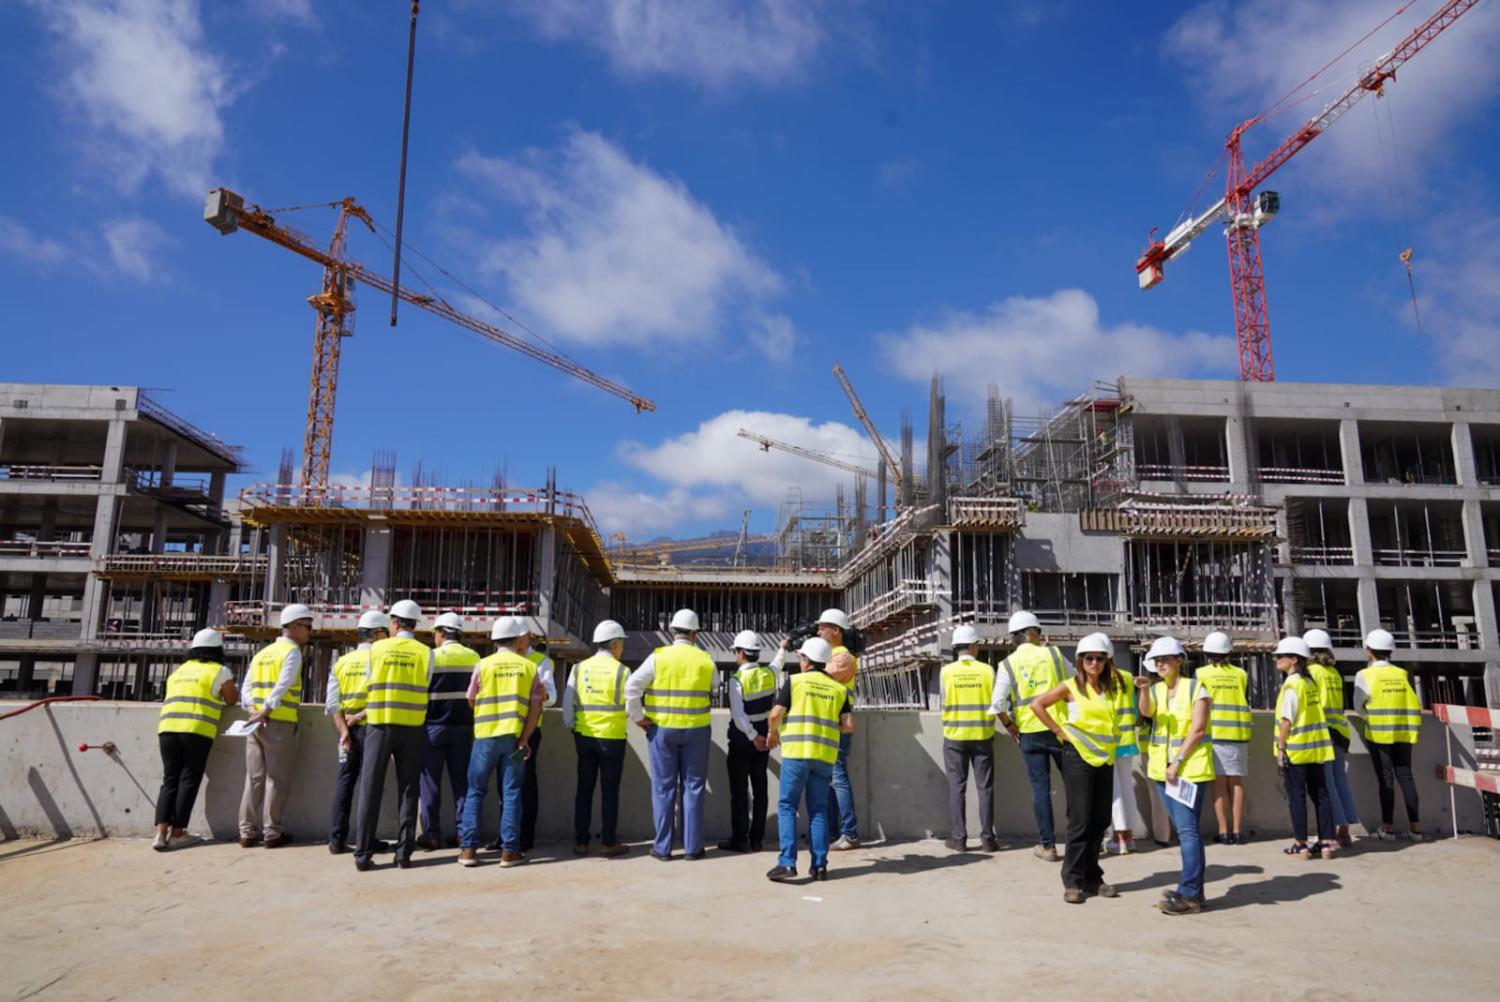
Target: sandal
<point>1323,849</point>
<point>1298,849</point>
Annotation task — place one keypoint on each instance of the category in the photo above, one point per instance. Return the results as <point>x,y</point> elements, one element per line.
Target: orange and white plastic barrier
<point>1485,778</point>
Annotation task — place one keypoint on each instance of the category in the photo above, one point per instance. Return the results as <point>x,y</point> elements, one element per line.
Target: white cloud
<point>1458,292</point>
<point>133,245</point>
<point>141,76</point>
<point>640,514</point>
<point>714,456</point>
<point>1241,58</point>
<point>711,42</point>
<point>1040,350</point>
<point>616,252</point>
<point>17,240</point>
<point>775,337</point>
<point>296,11</point>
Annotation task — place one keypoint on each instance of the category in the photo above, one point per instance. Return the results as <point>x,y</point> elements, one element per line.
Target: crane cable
<point>411,56</point>
<point>1396,191</point>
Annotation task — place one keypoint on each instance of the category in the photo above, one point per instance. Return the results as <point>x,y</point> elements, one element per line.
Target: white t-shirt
<point>1291,702</point>
<point>224,675</point>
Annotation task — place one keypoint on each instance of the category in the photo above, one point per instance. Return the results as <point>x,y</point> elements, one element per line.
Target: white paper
<point>241,729</point>
<point>1183,792</point>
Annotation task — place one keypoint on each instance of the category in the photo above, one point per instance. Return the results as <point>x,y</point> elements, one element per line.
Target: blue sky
<point>711,201</point>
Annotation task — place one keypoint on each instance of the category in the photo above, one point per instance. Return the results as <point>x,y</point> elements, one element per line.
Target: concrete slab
<point>905,920</point>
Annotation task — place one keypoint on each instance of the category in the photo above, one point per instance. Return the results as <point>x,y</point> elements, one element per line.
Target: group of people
<point>445,710</point>
<point>1089,722</point>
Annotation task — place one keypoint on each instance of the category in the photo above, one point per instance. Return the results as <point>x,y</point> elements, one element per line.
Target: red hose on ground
<point>50,699</point>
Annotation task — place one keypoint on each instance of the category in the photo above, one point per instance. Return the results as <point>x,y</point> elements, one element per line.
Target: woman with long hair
<point>1330,682</point>
<point>1125,812</point>
<point>1089,739</point>
<point>1302,746</point>
<point>197,692</point>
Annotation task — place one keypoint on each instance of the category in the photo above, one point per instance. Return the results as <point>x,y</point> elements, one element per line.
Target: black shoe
<point>381,845</point>
<point>403,862</point>
<point>1224,838</point>
<point>656,855</point>
<point>780,873</point>
<point>820,873</point>
<point>956,844</point>
<point>757,846</point>
<point>989,844</point>
<point>730,845</point>
<point>363,864</point>
<point>338,848</point>
<point>278,841</point>
<point>695,855</point>
<point>493,846</point>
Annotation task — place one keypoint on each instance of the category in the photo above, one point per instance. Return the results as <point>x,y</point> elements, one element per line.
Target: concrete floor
<point>113,920</point>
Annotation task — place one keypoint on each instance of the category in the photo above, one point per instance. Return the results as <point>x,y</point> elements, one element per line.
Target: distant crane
<point>744,538</point>
<point>767,444</point>
<point>635,552</point>
<point>1243,215</point>
<point>227,212</point>
<point>892,468</point>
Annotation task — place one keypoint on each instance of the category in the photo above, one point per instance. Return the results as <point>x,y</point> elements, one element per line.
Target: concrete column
<point>1464,466</point>
<point>546,574</point>
<point>169,463</point>
<point>85,674</point>
<point>1354,469</point>
<point>218,596</point>
<point>1369,605</point>
<point>375,569</point>
<point>1359,533</point>
<point>114,454</point>
<point>940,571</point>
<point>1484,615</point>
<point>26,674</point>
<point>277,554</point>
<point>1477,552</point>
<point>1238,451</point>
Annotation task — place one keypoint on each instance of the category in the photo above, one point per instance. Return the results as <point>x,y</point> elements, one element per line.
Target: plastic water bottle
<point>343,753</point>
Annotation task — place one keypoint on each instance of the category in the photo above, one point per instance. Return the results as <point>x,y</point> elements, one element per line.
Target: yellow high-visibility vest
<point>1393,713</point>
<point>1308,741</point>
<point>397,693</point>
<point>1032,670</point>
<point>1093,725</point>
<point>599,697</point>
<point>265,669</point>
<point>811,729</point>
<point>505,683</point>
<point>757,693</point>
<point>1170,726</point>
<point>678,696</point>
<point>191,707</point>
<point>1229,684</point>
<point>353,673</point>
<point>1330,682</point>
<point>968,689</point>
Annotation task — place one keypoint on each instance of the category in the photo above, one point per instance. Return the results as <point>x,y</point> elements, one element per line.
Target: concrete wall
<point>50,788</point>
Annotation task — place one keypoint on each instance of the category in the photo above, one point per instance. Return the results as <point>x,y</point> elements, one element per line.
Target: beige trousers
<point>269,755</point>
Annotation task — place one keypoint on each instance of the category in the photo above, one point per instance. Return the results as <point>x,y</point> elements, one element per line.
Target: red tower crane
<point>1244,215</point>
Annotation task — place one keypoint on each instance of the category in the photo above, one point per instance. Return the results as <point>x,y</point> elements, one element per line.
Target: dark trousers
<point>1040,749</point>
<point>1302,782</point>
<point>747,782</point>
<point>183,759</point>
<point>1393,765</point>
<point>344,787</point>
<point>383,743</point>
<point>600,760</point>
<point>1090,792</point>
<point>528,795</point>
<point>958,756</point>
<point>447,749</point>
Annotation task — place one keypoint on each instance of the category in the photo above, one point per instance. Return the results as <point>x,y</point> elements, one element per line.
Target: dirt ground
<point>113,920</point>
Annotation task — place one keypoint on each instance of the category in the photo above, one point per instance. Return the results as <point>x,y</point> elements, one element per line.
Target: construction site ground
<point>110,919</point>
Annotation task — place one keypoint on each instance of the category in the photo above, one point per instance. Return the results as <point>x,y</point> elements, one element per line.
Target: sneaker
<point>618,849</point>
<point>1385,835</point>
<point>580,848</point>
<point>1127,847</point>
<point>1074,896</point>
<point>781,873</point>
<point>159,842</point>
<point>180,841</point>
<point>1176,904</point>
<point>845,843</point>
<point>1412,836</point>
<point>989,844</point>
<point>956,844</point>
<point>509,859</point>
<point>1046,853</point>
<point>468,857</point>
<point>1106,891</point>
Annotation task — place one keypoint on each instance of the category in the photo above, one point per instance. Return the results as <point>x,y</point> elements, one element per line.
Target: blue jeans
<point>678,754</point>
<point>490,754</point>
<point>841,793</point>
<point>1040,750</point>
<point>1185,820</point>
<point>1340,797</point>
<point>447,750</point>
<point>810,780</point>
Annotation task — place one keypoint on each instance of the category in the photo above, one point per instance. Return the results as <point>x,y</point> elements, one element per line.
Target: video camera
<point>854,637</point>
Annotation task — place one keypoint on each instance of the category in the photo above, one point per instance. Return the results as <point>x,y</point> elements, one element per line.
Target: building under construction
<point>1138,508</point>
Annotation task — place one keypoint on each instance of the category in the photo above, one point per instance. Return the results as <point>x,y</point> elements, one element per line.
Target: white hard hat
<point>1163,647</point>
<point>1294,645</point>
<point>450,621</point>
<point>964,636</point>
<point>292,613</point>
<point>1095,643</point>
<point>834,617</point>
<point>607,631</point>
<point>746,640</point>
<point>1380,640</point>
<point>406,609</point>
<point>685,619</point>
<point>1022,621</point>
<point>1318,640</point>
<point>208,638</point>
<point>508,628</point>
<point>1217,642</point>
<point>816,650</point>
<point>374,620</point>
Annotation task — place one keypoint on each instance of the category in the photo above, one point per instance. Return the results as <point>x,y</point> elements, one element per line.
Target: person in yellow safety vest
<point>968,687</point>
<point>1229,730</point>
<point>752,690</point>
<point>1180,761</point>
<point>507,700</point>
<point>345,703</point>
<point>810,712</point>
<point>530,794</point>
<point>273,692</point>
<point>1392,715</point>
<point>197,692</point>
<point>1302,746</point>
<point>395,718</point>
<point>1090,737</point>
<point>593,708</point>
<point>668,697</point>
<point>1330,682</point>
<point>449,730</point>
<point>1032,668</point>
<point>843,668</point>
<point>1125,811</point>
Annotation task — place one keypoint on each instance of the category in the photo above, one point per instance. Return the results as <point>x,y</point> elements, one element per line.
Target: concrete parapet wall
<point>49,788</point>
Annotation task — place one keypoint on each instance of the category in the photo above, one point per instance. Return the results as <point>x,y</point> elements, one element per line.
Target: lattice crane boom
<point>892,467</point>
<point>1243,215</point>
<point>227,212</point>
<point>767,444</point>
